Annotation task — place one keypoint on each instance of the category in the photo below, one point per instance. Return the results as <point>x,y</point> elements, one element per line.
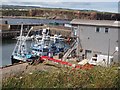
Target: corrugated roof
<point>96,22</point>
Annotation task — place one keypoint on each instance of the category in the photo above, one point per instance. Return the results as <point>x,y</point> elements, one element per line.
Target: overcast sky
<point>100,5</point>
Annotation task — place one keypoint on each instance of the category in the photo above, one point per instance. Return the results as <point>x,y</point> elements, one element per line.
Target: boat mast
<point>20,41</point>
<point>17,48</point>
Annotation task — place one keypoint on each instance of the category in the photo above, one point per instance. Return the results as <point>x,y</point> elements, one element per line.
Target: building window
<point>75,31</point>
<point>97,29</point>
<point>106,30</point>
<point>94,58</point>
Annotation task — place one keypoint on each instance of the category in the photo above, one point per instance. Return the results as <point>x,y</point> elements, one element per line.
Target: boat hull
<point>17,60</point>
<point>14,60</point>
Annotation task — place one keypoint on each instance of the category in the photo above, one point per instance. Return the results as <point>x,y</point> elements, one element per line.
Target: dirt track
<point>12,70</point>
<point>24,68</point>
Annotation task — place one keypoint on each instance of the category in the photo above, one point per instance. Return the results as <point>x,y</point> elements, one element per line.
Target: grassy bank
<point>98,77</point>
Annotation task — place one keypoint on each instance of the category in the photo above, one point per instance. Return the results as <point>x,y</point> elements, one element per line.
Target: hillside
<point>73,14</point>
<point>98,77</point>
<point>57,13</point>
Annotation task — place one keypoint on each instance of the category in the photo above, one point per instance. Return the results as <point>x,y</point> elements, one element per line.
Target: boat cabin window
<point>40,50</point>
<point>104,60</point>
<point>45,50</point>
<point>88,51</point>
<point>111,59</point>
<point>35,49</point>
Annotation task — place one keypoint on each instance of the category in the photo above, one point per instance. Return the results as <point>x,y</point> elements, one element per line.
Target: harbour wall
<point>11,31</point>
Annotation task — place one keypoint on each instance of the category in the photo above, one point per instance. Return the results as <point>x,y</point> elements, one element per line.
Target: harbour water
<point>8,45</point>
<point>7,49</point>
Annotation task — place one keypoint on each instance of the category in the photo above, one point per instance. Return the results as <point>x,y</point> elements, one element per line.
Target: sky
<point>99,5</point>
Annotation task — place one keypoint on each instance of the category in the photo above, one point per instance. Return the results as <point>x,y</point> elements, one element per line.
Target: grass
<point>98,77</point>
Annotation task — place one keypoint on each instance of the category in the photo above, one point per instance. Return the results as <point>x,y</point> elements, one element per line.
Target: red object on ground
<point>87,66</point>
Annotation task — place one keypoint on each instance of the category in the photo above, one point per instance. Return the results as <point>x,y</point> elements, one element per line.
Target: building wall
<point>98,42</point>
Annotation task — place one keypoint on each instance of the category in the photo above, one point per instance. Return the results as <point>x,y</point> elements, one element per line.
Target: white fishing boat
<point>20,51</point>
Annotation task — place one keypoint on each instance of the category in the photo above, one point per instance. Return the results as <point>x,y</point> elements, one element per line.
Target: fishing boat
<point>41,45</point>
<point>20,53</point>
<point>48,44</point>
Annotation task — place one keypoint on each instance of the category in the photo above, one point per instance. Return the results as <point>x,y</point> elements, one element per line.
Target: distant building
<point>98,38</point>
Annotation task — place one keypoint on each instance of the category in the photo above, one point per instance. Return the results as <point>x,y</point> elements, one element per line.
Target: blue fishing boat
<point>48,44</point>
<point>41,46</point>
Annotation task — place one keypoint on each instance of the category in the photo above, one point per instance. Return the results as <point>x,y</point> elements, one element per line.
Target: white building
<point>98,38</point>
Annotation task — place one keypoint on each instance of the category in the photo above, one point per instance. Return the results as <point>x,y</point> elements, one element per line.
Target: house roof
<point>96,22</point>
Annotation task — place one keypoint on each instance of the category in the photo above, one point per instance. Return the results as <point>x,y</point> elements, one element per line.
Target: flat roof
<point>106,23</point>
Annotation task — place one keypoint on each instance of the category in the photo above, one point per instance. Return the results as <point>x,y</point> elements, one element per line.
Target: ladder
<point>76,45</point>
<point>68,52</point>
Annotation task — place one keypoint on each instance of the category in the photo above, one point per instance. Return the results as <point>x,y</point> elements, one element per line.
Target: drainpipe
<point>77,34</point>
<point>108,52</point>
